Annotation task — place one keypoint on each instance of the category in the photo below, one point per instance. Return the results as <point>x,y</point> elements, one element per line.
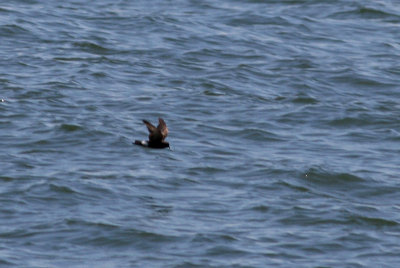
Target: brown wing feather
<point>149,126</point>
<point>162,127</point>
<point>154,133</point>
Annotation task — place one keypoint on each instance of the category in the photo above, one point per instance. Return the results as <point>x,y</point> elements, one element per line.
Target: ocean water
<point>284,120</point>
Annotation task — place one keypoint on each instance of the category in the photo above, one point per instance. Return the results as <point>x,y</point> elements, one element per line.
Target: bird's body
<point>157,135</point>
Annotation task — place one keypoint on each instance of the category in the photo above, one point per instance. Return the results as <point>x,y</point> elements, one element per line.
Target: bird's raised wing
<point>149,126</point>
<point>162,127</point>
<point>154,133</point>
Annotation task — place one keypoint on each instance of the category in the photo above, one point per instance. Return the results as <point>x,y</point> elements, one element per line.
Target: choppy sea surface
<point>284,120</point>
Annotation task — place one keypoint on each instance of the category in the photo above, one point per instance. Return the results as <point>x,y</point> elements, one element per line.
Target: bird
<point>157,135</point>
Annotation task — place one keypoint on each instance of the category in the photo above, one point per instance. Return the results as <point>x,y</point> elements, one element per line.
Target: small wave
<point>108,234</point>
<point>260,208</point>
<point>225,251</point>
<point>297,188</point>
<point>70,127</point>
<point>205,170</point>
<point>61,189</point>
<point>305,100</point>
<point>371,221</point>
<point>7,263</point>
<point>80,222</point>
<point>323,177</point>
<point>365,13</point>
<point>357,80</point>
<point>213,237</point>
<point>213,93</point>
<point>6,178</point>
<point>259,135</point>
<point>361,120</point>
<point>11,30</point>
<point>252,19</point>
<point>92,48</point>
<point>347,121</point>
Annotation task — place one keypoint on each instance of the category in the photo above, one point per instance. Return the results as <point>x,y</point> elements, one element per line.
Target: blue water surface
<point>284,125</point>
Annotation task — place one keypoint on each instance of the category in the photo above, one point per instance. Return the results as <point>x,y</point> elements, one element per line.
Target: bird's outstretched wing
<point>162,128</point>
<point>154,133</point>
<point>149,126</point>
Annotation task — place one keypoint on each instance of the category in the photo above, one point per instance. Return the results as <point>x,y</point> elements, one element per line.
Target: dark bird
<point>157,135</point>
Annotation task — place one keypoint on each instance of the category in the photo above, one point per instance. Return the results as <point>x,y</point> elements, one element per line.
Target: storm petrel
<point>157,135</point>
